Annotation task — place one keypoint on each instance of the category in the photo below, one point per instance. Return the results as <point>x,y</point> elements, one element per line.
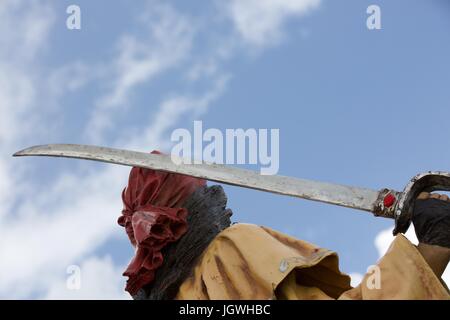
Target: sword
<point>387,203</point>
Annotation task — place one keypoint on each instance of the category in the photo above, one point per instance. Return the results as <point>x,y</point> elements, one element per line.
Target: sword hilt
<point>423,182</point>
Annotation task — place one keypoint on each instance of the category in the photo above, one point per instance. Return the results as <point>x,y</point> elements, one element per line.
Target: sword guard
<point>386,203</point>
<point>424,182</point>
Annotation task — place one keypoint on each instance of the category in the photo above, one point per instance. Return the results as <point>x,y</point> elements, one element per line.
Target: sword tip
<point>20,153</point>
<point>31,151</point>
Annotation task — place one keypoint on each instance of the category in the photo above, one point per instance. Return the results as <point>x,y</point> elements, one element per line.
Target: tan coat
<point>246,261</point>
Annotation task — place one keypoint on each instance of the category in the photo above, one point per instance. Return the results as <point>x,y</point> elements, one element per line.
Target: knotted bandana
<point>153,217</point>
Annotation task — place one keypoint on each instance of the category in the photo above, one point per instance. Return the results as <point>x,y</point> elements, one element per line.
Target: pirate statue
<point>187,248</point>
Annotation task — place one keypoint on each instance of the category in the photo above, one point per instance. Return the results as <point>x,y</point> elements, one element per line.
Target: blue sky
<point>354,106</point>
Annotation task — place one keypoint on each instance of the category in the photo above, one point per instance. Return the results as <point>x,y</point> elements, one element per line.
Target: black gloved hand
<point>431,219</point>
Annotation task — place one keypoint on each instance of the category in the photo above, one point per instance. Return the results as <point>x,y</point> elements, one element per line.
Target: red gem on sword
<point>389,200</point>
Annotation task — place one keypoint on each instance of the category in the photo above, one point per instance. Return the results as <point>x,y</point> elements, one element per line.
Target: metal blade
<point>346,196</point>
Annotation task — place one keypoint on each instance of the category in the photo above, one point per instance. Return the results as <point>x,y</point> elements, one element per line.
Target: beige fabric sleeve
<point>403,274</point>
<point>250,262</point>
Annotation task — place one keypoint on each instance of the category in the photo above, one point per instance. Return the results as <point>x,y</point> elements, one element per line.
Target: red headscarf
<point>153,217</point>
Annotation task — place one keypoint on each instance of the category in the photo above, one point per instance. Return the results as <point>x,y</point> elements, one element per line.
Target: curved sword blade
<point>346,196</point>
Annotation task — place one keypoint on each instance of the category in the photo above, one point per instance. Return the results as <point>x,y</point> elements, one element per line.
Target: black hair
<point>208,216</point>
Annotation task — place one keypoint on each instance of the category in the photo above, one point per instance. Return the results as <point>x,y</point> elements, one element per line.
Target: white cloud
<point>171,111</point>
<point>202,69</point>
<point>260,22</point>
<point>69,219</point>
<point>384,239</point>
<point>356,278</point>
<point>446,276</point>
<point>24,31</point>
<point>99,277</point>
<point>70,78</point>
<point>76,214</point>
<point>140,59</point>
<point>58,225</point>
<point>25,27</point>
<point>16,95</point>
